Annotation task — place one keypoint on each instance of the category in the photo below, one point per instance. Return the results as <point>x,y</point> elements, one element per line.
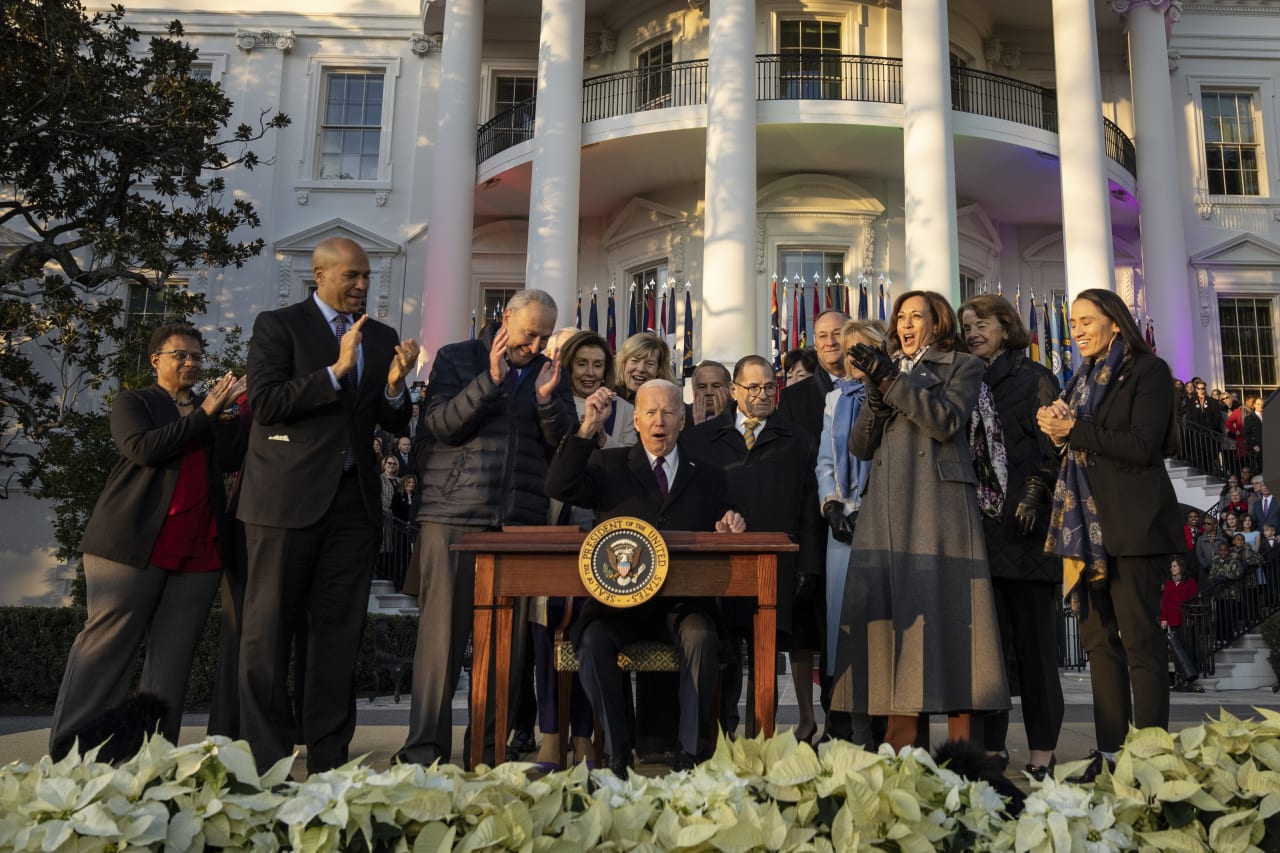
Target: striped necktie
<point>749,431</point>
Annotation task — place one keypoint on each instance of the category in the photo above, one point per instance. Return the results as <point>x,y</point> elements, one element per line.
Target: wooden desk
<point>544,561</point>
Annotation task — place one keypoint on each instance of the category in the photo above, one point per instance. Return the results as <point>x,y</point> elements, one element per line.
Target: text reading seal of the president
<point>623,562</point>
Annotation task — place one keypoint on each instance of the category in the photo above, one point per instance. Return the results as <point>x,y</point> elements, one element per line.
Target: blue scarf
<point>1075,532</point>
<point>851,472</point>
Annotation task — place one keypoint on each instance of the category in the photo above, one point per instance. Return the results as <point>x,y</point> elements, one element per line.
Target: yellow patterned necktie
<point>749,431</point>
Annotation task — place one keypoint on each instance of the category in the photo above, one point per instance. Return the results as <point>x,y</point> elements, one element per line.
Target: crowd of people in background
<point>855,448</point>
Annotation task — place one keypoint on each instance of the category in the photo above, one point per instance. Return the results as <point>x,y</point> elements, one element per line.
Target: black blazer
<point>775,486</point>
<point>151,436</point>
<point>302,424</point>
<point>1126,445</point>
<point>618,481</point>
<point>804,402</point>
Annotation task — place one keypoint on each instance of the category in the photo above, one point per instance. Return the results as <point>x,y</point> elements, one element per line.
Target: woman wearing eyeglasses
<point>918,631</point>
<point>153,546</point>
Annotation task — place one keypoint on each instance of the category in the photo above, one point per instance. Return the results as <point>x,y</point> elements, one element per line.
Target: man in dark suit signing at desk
<point>659,482</point>
<point>321,376</point>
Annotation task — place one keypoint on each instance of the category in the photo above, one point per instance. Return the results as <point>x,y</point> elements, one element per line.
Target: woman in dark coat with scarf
<point>153,548</point>
<point>918,631</point>
<point>1022,575</point>
<point>1115,519</point>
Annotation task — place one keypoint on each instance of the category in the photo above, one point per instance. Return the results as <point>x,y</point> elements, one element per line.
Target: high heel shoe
<point>1038,772</point>
<point>806,736</point>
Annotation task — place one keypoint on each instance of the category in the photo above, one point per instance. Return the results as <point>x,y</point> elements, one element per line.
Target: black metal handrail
<point>507,128</point>
<point>656,87</point>
<point>799,76</point>
<point>828,77</point>
<point>1209,451</point>
<point>994,96</point>
<point>1221,613</point>
<point>1120,146</point>
<point>395,549</point>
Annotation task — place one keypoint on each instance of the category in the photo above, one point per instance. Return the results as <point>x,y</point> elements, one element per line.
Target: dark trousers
<point>1028,623</point>
<point>224,708</point>
<point>1126,647</point>
<point>323,571</point>
<point>446,600</point>
<point>547,679</point>
<point>128,607</point>
<point>697,650</point>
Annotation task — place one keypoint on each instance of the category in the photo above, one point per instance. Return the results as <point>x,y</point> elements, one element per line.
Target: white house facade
<point>729,150</point>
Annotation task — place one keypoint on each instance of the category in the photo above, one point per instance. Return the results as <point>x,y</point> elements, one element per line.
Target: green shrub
<point>1270,629</point>
<point>35,642</point>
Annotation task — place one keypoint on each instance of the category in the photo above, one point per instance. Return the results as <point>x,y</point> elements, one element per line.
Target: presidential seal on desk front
<point>623,562</point>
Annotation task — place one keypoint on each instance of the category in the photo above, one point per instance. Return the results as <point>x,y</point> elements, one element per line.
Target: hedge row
<point>35,641</point>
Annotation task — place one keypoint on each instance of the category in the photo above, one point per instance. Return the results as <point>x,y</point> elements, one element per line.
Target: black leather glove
<point>806,589</point>
<point>841,525</point>
<point>874,362</point>
<point>1028,509</point>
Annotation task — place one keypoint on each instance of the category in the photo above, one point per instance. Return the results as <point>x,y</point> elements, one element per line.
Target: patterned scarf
<point>851,472</point>
<point>1075,533</point>
<point>990,459</point>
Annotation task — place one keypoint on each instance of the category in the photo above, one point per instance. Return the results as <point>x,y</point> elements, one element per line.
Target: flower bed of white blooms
<point>1214,786</point>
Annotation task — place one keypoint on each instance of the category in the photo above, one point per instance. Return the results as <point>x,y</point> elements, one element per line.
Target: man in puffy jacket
<point>495,410</point>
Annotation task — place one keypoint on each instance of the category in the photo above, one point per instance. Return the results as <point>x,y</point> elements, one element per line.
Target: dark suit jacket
<point>803,402</point>
<point>151,436</point>
<point>302,425</point>
<point>775,487</point>
<point>1260,518</point>
<point>1127,441</point>
<point>618,481</point>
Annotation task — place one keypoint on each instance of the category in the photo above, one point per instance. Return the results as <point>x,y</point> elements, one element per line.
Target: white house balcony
<point>821,113</point>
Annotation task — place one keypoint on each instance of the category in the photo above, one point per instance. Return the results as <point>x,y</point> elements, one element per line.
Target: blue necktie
<point>349,385</point>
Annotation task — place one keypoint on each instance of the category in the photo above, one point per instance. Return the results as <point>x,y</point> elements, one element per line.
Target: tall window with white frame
<point>805,263</point>
<point>493,301</point>
<point>1248,343</point>
<point>809,59</point>
<point>653,76</point>
<point>645,281</point>
<point>351,125</point>
<point>1232,149</point>
<point>146,309</point>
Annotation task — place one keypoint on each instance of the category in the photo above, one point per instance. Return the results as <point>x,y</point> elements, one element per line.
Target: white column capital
<point>1171,9</point>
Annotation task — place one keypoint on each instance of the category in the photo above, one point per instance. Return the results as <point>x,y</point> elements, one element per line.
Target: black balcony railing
<point>678,84</point>
<point>820,77</point>
<point>1119,146</point>
<point>994,96</point>
<point>395,549</point>
<point>799,77</point>
<point>507,128</point>
<point>1210,451</point>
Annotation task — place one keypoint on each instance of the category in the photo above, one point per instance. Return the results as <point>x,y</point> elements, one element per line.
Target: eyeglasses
<point>183,357</point>
<point>757,390</point>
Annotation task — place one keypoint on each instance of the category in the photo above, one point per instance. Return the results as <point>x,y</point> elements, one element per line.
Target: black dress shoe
<point>522,742</point>
<point>684,761</point>
<point>1096,762</point>
<point>617,764</point>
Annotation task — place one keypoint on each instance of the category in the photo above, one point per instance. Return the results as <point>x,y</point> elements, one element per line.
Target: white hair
<point>528,296</point>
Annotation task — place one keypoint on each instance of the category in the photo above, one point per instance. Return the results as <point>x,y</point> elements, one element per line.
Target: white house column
<point>446,292</point>
<point>1086,196</point>
<point>1168,297</point>
<point>933,254</point>
<point>730,302</point>
<point>552,261</point>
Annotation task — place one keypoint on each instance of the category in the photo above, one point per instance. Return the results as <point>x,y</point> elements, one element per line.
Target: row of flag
<point>651,308</point>
<point>791,320</point>
<point>795,307</point>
